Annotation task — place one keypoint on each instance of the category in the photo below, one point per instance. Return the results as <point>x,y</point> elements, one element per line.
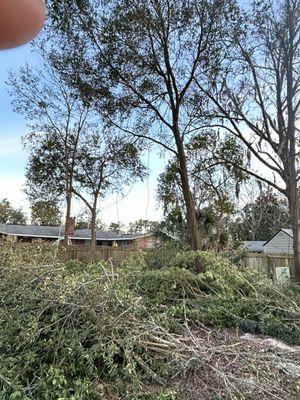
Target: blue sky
<point>12,127</point>
<point>139,203</point>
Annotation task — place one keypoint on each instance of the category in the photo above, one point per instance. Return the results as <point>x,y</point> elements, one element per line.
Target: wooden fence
<point>83,253</point>
<point>26,252</point>
<point>267,263</point>
<point>31,252</point>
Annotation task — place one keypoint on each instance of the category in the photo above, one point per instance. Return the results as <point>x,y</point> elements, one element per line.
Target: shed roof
<point>254,245</point>
<point>55,232</point>
<point>287,231</point>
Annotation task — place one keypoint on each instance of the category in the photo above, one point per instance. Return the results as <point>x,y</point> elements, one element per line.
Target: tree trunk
<point>253,222</point>
<point>93,231</point>
<point>193,232</point>
<point>68,216</point>
<point>295,216</point>
<point>296,246</point>
<point>290,161</point>
<point>218,234</point>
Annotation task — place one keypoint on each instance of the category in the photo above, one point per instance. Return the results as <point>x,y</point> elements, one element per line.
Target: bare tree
<point>264,212</point>
<point>257,94</point>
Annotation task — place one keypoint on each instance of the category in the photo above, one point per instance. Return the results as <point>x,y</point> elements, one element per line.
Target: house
<point>254,246</point>
<point>52,234</point>
<point>276,260</point>
<point>280,243</point>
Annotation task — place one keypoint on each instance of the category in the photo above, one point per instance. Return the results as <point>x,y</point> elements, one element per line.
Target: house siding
<point>282,243</point>
<point>147,242</point>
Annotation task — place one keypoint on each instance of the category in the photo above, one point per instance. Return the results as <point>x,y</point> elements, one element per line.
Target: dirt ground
<point>241,367</point>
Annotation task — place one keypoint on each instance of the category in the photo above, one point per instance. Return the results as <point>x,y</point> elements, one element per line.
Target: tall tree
<point>46,213</point>
<point>105,163</point>
<point>215,183</point>
<point>56,118</point>
<point>150,52</point>
<point>257,93</point>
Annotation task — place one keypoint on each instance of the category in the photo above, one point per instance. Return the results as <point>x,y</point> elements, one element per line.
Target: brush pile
<point>90,332</point>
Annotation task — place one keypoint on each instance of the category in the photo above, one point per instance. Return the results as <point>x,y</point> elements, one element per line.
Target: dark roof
<point>287,231</point>
<point>55,232</point>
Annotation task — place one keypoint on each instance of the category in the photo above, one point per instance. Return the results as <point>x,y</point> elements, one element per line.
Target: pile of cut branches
<point>90,332</point>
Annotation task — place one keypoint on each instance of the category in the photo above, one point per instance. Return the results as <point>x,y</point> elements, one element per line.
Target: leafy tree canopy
<point>11,215</point>
<point>45,212</point>
<point>117,227</point>
<point>138,63</point>
<point>215,184</point>
<point>143,226</point>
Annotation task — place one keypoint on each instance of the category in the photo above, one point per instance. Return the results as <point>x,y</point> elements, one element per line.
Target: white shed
<point>280,243</point>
